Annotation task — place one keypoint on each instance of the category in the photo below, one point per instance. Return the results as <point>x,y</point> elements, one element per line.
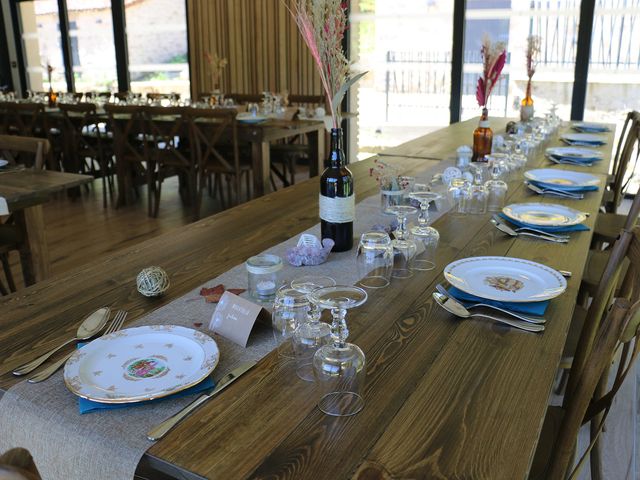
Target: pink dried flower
<point>493,60</point>
<point>533,49</point>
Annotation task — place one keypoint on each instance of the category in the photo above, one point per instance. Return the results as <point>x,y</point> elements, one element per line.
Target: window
<point>157,41</point>
<point>42,44</point>
<point>92,47</point>
<point>406,47</point>
<point>512,22</point>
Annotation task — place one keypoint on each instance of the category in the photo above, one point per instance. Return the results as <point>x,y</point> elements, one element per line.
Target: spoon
<point>459,311</point>
<point>524,318</point>
<point>87,329</point>
<point>510,231</point>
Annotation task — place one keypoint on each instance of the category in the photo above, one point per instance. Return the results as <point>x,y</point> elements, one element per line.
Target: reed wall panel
<point>260,40</point>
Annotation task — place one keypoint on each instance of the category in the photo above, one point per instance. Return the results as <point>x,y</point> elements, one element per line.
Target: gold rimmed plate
<point>505,279</point>
<point>544,214</point>
<point>141,363</point>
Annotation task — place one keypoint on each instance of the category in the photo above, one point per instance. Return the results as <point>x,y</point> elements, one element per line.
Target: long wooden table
<point>25,191</point>
<point>445,398</point>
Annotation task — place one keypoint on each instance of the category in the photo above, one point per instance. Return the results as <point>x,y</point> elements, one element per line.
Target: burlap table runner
<point>108,444</point>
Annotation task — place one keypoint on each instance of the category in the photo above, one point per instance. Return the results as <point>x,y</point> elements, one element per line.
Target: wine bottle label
<point>338,209</point>
<point>483,124</point>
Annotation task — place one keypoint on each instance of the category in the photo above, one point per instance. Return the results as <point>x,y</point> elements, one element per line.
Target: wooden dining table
<point>25,191</point>
<point>444,397</point>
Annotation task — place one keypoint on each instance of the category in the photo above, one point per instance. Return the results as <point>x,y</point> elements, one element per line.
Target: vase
<point>482,139</point>
<point>526,106</point>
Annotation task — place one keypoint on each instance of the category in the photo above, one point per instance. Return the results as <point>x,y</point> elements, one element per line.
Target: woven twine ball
<point>152,281</point>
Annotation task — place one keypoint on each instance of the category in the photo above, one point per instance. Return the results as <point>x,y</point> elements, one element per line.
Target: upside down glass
<point>311,334</point>
<point>404,248</point>
<point>339,367</point>
<point>374,260</point>
<point>289,310</point>
<point>425,236</point>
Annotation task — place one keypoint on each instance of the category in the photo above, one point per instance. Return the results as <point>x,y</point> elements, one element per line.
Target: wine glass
<point>425,237</point>
<point>496,188</point>
<point>477,194</point>
<point>374,259</point>
<point>339,367</point>
<point>313,333</point>
<point>404,248</point>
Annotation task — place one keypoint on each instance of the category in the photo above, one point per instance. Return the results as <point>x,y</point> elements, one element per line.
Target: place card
<point>234,318</point>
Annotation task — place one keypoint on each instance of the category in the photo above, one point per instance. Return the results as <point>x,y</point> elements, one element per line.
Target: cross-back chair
<point>87,138</point>
<point>589,400</point>
<point>167,151</point>
<point>127,125</point>
<point>214,134</point>
<point>23,119</point>
<point>32,152</point>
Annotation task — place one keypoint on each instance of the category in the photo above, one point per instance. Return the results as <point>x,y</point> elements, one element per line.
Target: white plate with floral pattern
<point>544,214</point>
<point>141,363</point>
<point>505,279</point>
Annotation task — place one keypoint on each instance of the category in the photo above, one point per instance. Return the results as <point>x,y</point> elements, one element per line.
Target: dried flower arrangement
<point>387,176</point>
<point>322,24</point>
<point>49,73</point>
<point>216,65</point>
<point>494,57</point>
<point>533,49</point>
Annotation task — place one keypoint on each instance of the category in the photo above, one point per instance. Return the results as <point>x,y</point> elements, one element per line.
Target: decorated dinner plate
<point>505,279</point>
<point>583,138</point>
<point>141,363</point>
<point>249,118</point>
<point>587,127</point>
<point>561,178</point>
<point>544,214</point>
<point>574,153</point>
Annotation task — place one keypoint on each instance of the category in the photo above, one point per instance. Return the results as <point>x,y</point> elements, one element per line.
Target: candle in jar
<point>266,288</point>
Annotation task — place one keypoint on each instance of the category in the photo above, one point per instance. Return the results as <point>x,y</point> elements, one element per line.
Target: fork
<point>116,324</point>
<point>499,219</point>
<point>552,191</point>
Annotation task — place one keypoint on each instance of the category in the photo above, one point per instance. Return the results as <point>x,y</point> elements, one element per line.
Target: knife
<point>161,430</point>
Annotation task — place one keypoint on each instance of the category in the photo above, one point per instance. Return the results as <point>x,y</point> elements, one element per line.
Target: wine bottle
<point>337,199</point>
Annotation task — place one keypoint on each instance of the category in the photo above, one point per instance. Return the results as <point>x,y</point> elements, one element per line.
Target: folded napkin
<point>87,406</point>
<point>582,143</point>
<point>588,188</point>
<point>560,228</point>
<point>575,159</point>
<point>529,308</point>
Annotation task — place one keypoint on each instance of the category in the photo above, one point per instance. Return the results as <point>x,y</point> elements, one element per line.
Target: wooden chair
<point>214,137</point>
<point>589,400</point>
<point>17,464</point>
<point>23,119</point>
<point>126,122</point>
<point>167,152</point>
<point>87,138</point>
<point>31,152</point>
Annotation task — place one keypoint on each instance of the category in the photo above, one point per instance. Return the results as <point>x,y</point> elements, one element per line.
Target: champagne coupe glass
<point>339,367</point>
<point>425,237</point>
<point>496,188</point>
<point>312,334</point>
<point>403,246</point>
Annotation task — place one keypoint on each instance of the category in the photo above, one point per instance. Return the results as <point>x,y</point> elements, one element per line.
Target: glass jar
<point>263,276</point>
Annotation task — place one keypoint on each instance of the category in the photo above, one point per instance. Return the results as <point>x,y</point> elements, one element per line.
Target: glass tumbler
<point>289,311</point>
<point>458,196</point>
<point>374,260</point>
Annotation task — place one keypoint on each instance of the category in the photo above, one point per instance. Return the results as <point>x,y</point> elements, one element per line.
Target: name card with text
<point>234,318</point>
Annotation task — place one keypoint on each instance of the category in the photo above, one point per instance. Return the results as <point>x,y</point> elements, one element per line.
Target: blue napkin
<point>563,228</point>
<point>88,406</point>
<point>589,188</point>
<point>585,160</point>
<point>529,308</point>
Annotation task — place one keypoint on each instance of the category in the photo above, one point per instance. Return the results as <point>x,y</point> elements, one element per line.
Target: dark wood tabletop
<point>445,398</point>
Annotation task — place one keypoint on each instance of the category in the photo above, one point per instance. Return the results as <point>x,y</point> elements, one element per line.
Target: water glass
<point>289,310</point>
<point>458,196</point>
<point>374,260</point>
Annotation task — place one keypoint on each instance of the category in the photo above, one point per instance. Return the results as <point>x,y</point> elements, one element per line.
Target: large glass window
<point>92,48</point>
<point>406,47</point>
<point>39,21</point>
<point>512,22</point>
<point>157,40</point>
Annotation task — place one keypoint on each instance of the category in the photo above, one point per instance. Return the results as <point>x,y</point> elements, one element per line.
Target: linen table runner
<point>108,444</point>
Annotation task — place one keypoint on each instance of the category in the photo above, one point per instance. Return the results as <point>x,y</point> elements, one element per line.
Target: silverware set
<point>554,191</point>
<point>568,161</point>
<point>528,232</point>
<point>89,328</point>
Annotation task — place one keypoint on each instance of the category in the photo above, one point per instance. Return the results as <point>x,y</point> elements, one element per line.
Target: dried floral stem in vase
<point>322,24</point>
<point>494,57</point>
<point>216,65</point>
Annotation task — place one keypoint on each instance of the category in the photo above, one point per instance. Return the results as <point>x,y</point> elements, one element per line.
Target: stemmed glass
<point>404,246</point>
<point>289,311</point>
<point>339,367</point>
<point>425,236</point>
<point>496,188</point>
<point>313,333</point>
